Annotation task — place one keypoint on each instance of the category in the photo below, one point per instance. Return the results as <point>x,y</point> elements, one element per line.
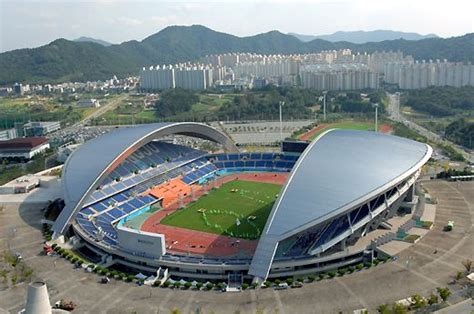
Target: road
<point>111,105</point>
<point>394,114</point>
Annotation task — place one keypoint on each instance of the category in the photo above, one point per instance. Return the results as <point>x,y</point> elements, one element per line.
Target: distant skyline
<point>32,23</point>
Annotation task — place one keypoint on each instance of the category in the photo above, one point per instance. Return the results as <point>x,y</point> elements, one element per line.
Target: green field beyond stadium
<point>238,208</point>
<point>347,126</point>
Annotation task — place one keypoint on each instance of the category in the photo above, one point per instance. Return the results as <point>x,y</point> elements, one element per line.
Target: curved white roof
<point>87,166</point>
<point>341,169</point>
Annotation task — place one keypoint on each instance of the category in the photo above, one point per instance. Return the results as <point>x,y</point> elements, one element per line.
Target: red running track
<point>186,241</point>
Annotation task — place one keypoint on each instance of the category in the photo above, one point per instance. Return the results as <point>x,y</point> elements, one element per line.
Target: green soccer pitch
<point>237,208</point>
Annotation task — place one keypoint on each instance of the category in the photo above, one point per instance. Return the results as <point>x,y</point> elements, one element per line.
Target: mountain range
<point>65,60</point>
<point>361,37</point>
<point>93,40</point>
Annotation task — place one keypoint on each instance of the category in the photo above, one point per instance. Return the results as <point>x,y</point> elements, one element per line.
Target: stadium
<point>138,200</point>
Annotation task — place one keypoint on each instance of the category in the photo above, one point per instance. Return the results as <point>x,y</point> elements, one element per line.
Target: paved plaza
<point>430,263</point>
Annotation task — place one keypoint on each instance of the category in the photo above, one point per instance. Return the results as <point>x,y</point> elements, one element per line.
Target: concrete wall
<point>141,243</point>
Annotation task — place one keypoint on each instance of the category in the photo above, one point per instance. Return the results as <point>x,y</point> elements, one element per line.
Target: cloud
<point>164,20</point>
<point>128,21</point>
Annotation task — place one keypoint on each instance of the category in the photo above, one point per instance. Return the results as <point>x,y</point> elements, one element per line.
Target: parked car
<point>297,284</point>
<point>282,286</point>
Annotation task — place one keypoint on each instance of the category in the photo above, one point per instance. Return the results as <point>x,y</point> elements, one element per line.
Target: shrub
<point>130,278</point>
<point>359,266</point>
<point>311,278</point>
<point>267,284</point>
<point>383,309</point>
<point>300,279</point>
<point>322,276</point>
<point>210,286</point>
<point>332,274</point>
<point>433,299</point>
<point>254,285</point>
<point>459,275</point>
<point>56,248</point>
<point>245,286</point>
<point>166,284</point>
<point>418,301</point>
<point>156,284</point>
<point>350,269</point>
<point>444,293</point>
<point>187,285</point>
<point>398,308</point>
<point>177,284</point>
<point>277,281</point>
<point>342,271</point>
<point>54,245</point>
<point>289,281</point>
<point>221,285</point>
<point>467,265</point>
<point>368,264</point>
<point>199,285</point>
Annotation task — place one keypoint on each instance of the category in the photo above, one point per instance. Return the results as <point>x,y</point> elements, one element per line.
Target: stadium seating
<point>102,215</point>
<point>155,164</point>
<point>254,161</point>
<point>147,162</point>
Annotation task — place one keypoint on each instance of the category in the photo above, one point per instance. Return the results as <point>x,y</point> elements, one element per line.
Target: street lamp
<point>376,105</point>
<point>324,105</point>
<point>281,103</point>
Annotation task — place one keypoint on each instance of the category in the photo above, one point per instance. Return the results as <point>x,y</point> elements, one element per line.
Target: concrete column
<point>410,193</point>
<point>343,244</point>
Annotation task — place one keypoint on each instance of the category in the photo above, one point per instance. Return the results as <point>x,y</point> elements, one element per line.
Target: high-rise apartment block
<point>339,77</point>
<point>187,76</point>
<point>423,74</point>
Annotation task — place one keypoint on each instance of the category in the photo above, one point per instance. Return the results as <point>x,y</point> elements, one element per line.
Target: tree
<point>418,301</point>
<point>467,264</point>
<point>210,286</point>
<point>383,309</point>
<point>398,308</point>
<point>175,101</point>
<point>433,299</point>
<point>444,293</point>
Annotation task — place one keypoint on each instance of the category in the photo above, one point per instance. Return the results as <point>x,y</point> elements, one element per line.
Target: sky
<point>32,23</point>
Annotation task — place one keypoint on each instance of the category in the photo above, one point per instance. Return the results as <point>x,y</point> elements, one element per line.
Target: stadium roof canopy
<point>87,166</point>
<point>338,171</point>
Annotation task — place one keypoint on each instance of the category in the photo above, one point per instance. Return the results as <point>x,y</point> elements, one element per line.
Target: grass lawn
<point>39,108</point>
<point>363,126</point>
<point>222,208</point>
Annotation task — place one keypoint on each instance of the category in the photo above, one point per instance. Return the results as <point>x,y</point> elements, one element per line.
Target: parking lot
<point>265,132</point>
<point>430,263</point>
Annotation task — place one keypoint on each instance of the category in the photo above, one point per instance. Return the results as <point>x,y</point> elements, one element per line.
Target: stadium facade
<point>343,186</point>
